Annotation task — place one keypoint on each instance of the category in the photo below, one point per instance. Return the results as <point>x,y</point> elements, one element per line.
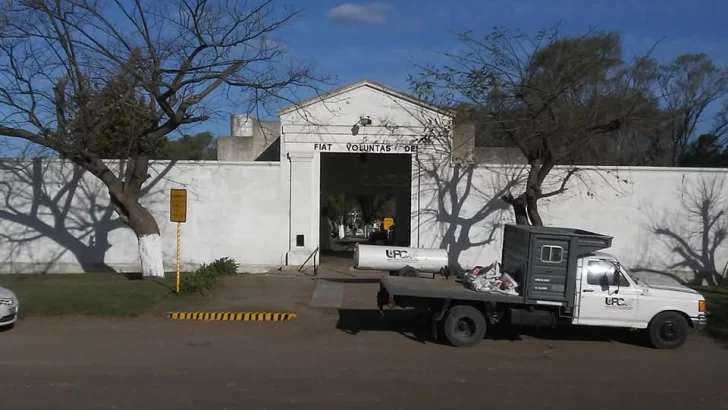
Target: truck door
<point>606,300</point>
<point>548,271</point>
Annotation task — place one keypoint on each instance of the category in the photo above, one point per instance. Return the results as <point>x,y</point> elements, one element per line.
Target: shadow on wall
<point>695,233</point>
<point>53,200</point>
<point>455,189</point>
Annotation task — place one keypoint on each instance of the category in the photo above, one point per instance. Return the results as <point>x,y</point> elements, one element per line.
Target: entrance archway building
<point>361,118</point>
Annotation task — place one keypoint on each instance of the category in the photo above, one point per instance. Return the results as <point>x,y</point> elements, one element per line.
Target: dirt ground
<point>344,357</point>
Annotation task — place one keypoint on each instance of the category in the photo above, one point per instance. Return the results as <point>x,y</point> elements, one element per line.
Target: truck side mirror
<point>616,276</point>
<point>616,279</point>
<point>604,282</point>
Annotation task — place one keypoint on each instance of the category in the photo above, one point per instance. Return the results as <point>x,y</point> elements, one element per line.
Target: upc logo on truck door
<point>621,303</point>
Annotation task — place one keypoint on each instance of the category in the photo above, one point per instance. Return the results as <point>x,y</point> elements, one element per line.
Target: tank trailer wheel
<point>409,272</point>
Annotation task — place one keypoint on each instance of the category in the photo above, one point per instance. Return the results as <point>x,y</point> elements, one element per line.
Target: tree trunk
<point>519,208</point>
<point>532,209</point>
<point>150,242</point>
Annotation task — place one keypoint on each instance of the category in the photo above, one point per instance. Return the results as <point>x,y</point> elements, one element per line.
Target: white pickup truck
<point>626,301</point>
<point>563,279</point>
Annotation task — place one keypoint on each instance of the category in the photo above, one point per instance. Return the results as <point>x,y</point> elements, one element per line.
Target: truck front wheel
<point>464,326</point>
<point>668,330</point>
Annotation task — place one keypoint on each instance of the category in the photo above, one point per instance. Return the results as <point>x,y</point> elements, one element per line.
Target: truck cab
<point>607,295</point>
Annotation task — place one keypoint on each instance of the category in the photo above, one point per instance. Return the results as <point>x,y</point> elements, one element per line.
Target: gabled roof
<point>371,84</point>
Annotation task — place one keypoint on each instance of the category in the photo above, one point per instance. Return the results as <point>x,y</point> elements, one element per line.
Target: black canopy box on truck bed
<point>542,260</point>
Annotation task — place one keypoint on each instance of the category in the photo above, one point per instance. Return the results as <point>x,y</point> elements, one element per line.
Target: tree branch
<point>683,246</point>
<point>561,188</point>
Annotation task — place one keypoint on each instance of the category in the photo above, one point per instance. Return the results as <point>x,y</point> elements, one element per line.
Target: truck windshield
<point>633,277</point>
<point>625,273</point>
<point>602,271</point>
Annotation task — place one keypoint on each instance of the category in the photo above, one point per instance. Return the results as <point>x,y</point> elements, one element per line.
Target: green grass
<point>86,294</point>
<point>717,300</point>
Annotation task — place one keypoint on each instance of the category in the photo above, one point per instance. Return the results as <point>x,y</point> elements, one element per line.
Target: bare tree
<point>546,95</point>
<point>374,206</point>
<point>688,86</point>
<point>52,200</point>
<point>337,209</point>
<point>464,230</point>
<point>69,67</point>
<point>697,234</point>
<point>720,123</point>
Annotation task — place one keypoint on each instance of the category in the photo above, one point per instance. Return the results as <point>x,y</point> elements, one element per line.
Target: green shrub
<point>205,277</point>
<point>225,266</point>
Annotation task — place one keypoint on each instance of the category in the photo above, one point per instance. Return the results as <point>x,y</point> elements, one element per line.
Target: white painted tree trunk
<point>150,252</point>
<point>341,231</point>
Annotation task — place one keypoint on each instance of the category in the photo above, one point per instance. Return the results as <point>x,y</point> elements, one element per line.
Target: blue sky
<point>380,39</point>
<point>383,40</point>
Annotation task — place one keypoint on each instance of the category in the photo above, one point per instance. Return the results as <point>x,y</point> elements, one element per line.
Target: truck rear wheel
<point>464,326</point>
<point>668,330</point>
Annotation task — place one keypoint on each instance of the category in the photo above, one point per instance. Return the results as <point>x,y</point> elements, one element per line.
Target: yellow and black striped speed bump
<point>233,316</point>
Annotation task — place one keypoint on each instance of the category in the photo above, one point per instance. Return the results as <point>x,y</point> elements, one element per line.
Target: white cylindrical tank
<point>391,258</point>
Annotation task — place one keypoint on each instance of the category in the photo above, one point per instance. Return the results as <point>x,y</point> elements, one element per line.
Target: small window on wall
<point>552,254</point>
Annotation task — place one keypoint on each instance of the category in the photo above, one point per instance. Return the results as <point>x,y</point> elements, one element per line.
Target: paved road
<point>309,364</point>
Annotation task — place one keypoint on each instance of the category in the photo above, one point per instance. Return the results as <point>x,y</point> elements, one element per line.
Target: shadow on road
<point>351,280</point>
<point>589,334</point>
<point>409,323</point>
<point>415,325</point>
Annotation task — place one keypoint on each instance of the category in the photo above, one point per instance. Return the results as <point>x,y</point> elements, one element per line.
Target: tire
<point>464,326</point>
<point>409,272</point>
<point>668,330</point>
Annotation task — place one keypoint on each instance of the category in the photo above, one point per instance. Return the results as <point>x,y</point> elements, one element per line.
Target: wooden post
<point>178,213</point>
<point>179,248</point>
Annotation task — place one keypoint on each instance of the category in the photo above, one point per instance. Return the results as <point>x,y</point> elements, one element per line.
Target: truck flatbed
<point>441,288</point>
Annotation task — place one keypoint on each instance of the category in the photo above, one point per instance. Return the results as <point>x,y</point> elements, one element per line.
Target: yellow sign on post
<point>387,222</point>
<point>178,205</point>
<point>178,213</point>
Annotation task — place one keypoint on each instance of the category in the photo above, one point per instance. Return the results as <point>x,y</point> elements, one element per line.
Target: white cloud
<point>359,13</point>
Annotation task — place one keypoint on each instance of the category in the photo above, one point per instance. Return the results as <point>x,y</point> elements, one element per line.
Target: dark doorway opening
<point>361,195</point>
